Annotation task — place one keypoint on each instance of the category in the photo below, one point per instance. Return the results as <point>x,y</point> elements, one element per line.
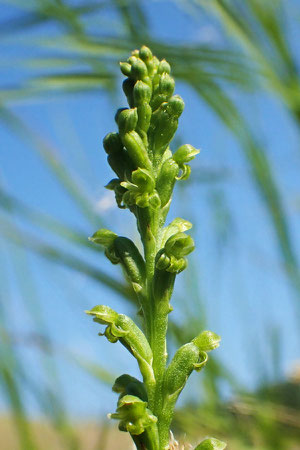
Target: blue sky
<point>243,287</point>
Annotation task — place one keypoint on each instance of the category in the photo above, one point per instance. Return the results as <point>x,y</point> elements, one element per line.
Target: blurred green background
<point>236,65</point>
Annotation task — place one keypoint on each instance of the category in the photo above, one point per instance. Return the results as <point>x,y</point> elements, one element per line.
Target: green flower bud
<point>134,56</point>
<point>145,53</point>
<point>121,164</point>
<point>112,143</point>
<point>136,150</point>
<point>131,261</point>
<point>152,65</point>
<point>179,370</point>
<point>164,67</point>
<point>166,180</point>
<point>138,69</point>
<point>175,106</point>
<point>163,90</point>
<point>133,415</point>
<point>118,158</point>
<point>127,120</point>
<point>166,85</point>
<point>141,93</point>
<point>135,53</point>
<point>128,86</point>
<point>125,68</point>
<point>211,444</point>
<point>128,385</point>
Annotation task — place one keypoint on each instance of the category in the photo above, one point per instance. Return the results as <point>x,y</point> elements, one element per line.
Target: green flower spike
<point>211,444</point>
<point>146,172</point>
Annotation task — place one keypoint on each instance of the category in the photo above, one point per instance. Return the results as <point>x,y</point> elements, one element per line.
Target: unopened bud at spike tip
<point>125,68</point>
<point>163,67</point>
<point>145,53</point>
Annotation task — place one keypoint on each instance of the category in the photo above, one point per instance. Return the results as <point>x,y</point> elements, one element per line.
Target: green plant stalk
<point>147,171</point>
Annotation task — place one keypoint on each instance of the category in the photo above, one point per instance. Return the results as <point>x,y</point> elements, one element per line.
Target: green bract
<point>146,171</point>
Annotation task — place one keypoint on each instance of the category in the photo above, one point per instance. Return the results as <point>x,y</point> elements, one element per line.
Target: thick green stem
<point>156,320</point>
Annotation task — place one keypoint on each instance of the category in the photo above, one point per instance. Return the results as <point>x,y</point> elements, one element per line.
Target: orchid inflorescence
<point>146,172</point>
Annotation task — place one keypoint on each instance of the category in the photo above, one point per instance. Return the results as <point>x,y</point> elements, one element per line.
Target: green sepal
<point>106,238</point>
<point>115,185</point>
<point>103,237</point>
<point>122,328</point>
<point>177,225</point>
<point>211,444</point>
<point>134,415</point>
<point>179,245</point>
<point>128,385</point>
<point>140,191</point>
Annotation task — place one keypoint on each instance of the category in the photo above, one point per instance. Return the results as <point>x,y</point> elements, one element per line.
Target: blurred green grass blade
<point>73,81</point>
<point>14,205</point>
<point>51,159</point>
<point>32,305</point>
<point>133,18</point>
<point>58,256</point>
<point>269,14</point>
<point>93,369</point>
<point>260,169</point>
<point>9,369</point>
<point>288,88</point>
<point>14,398</point>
